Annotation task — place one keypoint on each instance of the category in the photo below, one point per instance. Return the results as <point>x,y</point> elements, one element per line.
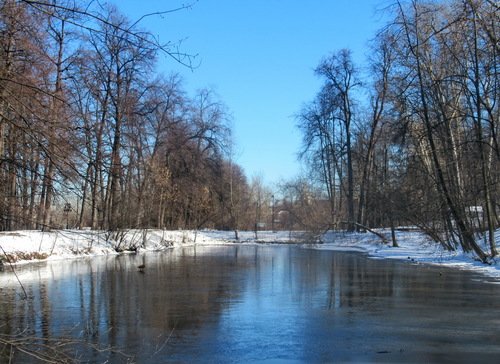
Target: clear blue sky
<point>259,56</point>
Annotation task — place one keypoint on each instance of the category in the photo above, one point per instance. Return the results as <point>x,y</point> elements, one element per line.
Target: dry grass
<point>17,256</point>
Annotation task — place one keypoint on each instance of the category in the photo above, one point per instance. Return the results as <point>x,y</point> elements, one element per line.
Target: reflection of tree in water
<point>185,294</point>
<point>348,280</point>
<point>115,305</point>
<point>341,280</point>
<point>177,292</point>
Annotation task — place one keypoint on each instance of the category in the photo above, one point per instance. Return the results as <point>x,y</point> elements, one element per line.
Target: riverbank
<point>21,247</point>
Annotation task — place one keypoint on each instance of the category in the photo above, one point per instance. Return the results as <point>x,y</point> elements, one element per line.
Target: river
<point>264,303</point>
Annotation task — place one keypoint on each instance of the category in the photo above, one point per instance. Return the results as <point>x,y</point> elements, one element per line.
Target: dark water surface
<point>271,304</point>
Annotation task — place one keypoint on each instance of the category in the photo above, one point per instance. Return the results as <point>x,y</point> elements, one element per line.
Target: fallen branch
<point>380,235</point>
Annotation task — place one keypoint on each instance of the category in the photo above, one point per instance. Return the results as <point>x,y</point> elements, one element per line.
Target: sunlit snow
<point>414,247</point>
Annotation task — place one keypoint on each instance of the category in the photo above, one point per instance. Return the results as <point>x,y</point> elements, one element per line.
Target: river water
<point>230,304</point>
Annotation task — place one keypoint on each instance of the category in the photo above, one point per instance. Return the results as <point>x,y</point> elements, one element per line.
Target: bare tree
<point>340,81</point>
<point>381,62</point>
<point>418,28</point>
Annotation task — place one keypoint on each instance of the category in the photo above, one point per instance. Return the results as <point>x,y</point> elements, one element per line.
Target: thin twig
<point>15,273</point>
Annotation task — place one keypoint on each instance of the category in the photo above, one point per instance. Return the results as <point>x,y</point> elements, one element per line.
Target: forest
<point>91,136</point>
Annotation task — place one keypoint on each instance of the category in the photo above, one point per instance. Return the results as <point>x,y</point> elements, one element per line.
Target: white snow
<point>29,246</point>
<point>414,246</point>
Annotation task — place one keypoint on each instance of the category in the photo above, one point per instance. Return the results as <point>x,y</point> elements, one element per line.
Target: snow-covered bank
<point>25,246</point>
<point>414,247</point>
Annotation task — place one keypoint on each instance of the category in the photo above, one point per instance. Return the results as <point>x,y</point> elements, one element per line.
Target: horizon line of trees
<point>417,143</point>
<point>89,132</point>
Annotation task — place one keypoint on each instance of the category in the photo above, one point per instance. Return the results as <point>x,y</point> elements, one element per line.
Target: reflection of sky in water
<point>267,313</point>
<point>245,303</point>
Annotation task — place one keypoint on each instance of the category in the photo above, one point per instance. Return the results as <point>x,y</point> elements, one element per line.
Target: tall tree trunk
<point>88,177</point>
<point>34,175</point>
<point>54,122</point>
<point>114,196</point>
<point>350,181</point>
<point>480,142</point>
<point>49,193</point>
